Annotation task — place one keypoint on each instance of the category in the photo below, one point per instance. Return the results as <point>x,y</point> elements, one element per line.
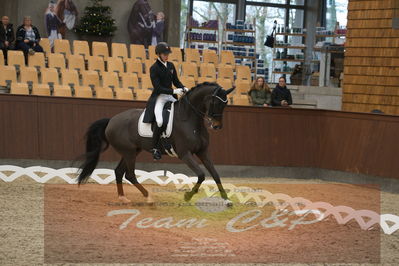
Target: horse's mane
<point>201,85</point>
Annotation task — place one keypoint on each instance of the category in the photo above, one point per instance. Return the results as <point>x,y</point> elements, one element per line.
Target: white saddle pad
<point>145,128</point>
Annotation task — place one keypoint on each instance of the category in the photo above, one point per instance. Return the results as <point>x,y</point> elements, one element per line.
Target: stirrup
<point>156,154</point>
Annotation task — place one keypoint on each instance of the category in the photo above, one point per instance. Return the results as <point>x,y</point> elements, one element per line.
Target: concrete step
<point>300,103</point>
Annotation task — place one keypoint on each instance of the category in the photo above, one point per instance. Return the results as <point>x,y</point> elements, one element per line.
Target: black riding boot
<point>156,153</point>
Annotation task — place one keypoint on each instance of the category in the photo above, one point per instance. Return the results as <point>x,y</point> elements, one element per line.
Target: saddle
<point>146,129</point>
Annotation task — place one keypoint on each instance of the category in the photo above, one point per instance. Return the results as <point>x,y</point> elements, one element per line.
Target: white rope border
<point>180,181</point>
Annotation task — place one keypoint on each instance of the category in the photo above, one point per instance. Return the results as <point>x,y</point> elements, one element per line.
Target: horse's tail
<point>96,143</point>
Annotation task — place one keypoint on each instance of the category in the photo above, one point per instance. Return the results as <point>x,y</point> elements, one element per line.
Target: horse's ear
<point>230,90</point>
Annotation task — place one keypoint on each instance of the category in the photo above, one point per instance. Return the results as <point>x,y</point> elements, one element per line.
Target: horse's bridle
<point>210,113</point>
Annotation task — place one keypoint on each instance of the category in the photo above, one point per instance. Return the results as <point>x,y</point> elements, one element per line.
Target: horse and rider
<point>189,136</point>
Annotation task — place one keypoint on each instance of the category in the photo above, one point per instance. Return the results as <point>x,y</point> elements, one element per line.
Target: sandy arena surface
<point>28,207</point>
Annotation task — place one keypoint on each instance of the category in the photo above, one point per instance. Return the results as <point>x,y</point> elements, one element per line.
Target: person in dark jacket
<point>159,27</point>
<point>28,38</point>
<point>260,93</point>
<point>281,96</point>
<point>53,22</point>
<point>163,74</point>
<point>7,36</point>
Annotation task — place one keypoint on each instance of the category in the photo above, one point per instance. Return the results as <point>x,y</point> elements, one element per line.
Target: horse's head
<point>215,105</point>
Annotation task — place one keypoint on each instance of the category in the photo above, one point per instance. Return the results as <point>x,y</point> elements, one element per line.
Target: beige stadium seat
<point>45,44</point>
<point>210,57</point>
<point>189,82</point>
<point>148,65</point>
<point>41,89</point>
<point>62,47</point>
<point>241,100</point>
<point>100,49</point>
<point>151,53</point>
<point>146,83</point>
<point>83,92</point>
<point>134,66</point>
<point>119,50</point>
<point>115,64</point>
<point>76,62</point>
<point>208,71</point>
<point>56,61</point>
<point>37,60</point>
<point>104,93</point>
<point>124,94</point>
<point>8,74</point>
<point>16,58</point>
<point>130,80</point>
<point>19,88</point>
<point>50,75</point>
<point>192,56</point>
<point>62,91</point>
<point>137,51</point>
<point>225,84</point>
<point>190,69</point>
<point>176,56</point>
<point>227,58</point>
<point>243,73</point>
<point>1,58</point>
<point>206,79</point>
<point>96,63</point>
<point>70,76</point>
<point>81,48</point>
<point>242,86</point>
<point>226,71</point>
<point>29,74</point>
<point>110,79</point>
<point>90,78</point>
<point>142,95</point>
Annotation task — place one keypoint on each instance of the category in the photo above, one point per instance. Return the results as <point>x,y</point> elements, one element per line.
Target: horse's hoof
<point>123,199</point>
<point>188,196</point>
<point>228,203</point>
<point>150,200</point>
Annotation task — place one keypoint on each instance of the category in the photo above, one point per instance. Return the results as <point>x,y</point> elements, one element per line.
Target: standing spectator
<point>53,22</point>
<point>7,36</point>
<point>260,93</point>
<point>281,96</point>
<point>159,27</point>
<point>28,38</point>
<point>67,12</point>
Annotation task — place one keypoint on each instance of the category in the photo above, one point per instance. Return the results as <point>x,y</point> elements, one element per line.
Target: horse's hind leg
<point>119,172</point>
<point>190,161</point>
<point>131,176</point>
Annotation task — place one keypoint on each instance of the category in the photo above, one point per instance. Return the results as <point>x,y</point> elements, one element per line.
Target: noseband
<point>214,101</point>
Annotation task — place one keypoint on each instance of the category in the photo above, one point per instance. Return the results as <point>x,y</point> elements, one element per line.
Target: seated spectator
<point>260,93</point>
<point>28,38</point>
<point>281,96</point>
<point>7,36</point>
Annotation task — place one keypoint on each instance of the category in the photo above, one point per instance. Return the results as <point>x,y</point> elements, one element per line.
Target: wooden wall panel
<point>371,67</point>
<point>49,128</point>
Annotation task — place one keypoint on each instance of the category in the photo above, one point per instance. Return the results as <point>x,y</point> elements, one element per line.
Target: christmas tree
<point>96,20</point>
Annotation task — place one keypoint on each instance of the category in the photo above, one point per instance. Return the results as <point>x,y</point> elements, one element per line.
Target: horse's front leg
<point>204,157</point>
<point>189,159</point>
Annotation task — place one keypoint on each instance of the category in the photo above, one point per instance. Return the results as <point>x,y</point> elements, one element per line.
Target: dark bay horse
<point>189,137</point>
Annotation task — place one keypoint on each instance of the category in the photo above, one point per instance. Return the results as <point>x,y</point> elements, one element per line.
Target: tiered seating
<point>45,44</point>
<point>76,72</point>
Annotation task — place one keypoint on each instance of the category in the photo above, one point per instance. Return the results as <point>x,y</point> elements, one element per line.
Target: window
<point>337,11</point>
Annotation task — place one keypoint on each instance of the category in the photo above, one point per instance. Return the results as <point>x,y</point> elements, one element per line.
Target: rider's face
<point>164,57</point>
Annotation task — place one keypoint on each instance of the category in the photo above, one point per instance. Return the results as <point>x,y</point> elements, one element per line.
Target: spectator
<point>281,96</point>
<point>260,93</point>
<point>28,38</point>
<point>52,23</point>
<point>7,36</point>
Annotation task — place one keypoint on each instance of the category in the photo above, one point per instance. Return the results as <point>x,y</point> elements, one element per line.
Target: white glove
<point>178,92</point>
<point>185,89</point>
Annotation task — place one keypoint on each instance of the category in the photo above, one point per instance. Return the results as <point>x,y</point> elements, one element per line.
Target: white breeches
<point>161,100</point>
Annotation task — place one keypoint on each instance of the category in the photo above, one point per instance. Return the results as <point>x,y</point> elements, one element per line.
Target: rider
<point>163,74</point>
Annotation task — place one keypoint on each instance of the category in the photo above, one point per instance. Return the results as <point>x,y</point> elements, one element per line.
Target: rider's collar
<point>163,63</point>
